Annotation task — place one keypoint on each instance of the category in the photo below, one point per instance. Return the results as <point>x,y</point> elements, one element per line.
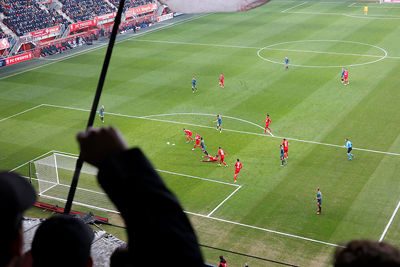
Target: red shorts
<point>189,134</point>
<point>266,125</point>
<point>221,81</point>
<point>222,158</point>
<point>345,77</point>
<point>237,171</point>
<point>197,143</point>
<point>285,149</point>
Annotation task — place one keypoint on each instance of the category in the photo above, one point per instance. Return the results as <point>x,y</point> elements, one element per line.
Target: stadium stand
<point>132,3</point>
<point>83,10</point>
<point>24,16</point>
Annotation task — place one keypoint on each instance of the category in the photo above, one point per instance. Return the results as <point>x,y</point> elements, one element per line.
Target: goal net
<point>54,174</point>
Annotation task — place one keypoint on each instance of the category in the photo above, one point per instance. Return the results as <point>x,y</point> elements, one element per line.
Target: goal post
<point>54,174</point>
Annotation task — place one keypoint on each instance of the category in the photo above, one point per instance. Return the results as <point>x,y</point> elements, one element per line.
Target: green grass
<point>151,75</point>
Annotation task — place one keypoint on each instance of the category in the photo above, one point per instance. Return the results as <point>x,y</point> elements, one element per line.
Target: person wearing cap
<point>158,229</point>
<point>62,241</point>
<point>17,195</point>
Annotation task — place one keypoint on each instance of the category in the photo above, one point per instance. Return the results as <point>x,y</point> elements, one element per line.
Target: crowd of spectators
<point>132,3</point>
<point>24,16</point>
<point>82,10</point>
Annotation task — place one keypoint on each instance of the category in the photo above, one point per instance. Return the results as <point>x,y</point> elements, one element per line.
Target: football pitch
<point>271,211</point>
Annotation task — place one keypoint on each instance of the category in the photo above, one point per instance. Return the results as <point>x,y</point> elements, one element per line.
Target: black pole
<point>92,115</point>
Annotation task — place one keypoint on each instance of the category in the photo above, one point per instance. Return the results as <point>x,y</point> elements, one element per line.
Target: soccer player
<point>319,201</point>
<point>366,10</point>
<point>197,138</point>
<point>221,81</point>
<point>203,146</point>
<point>101,113</point>
<point>221,155</point>
<point>342,75</point>
<point>188,135</point>
<point>267,122</point>
<point>287,63</point>
<point>349,146</point>
<point>282,156</point>
<point>346,77</point>
<point>194,87</point>
<point>219,123</point>
<point>285,144</point>
<point>210,158</point>
<point>238,167</point>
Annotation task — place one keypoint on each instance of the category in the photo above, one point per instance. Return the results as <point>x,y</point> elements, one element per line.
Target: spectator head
<point>17,196</point>
<point>62,241</point>
<point>367,253</point>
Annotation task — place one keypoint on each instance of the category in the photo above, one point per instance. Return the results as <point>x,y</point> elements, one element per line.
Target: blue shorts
<point>101,114</point>
<point>193,85</point>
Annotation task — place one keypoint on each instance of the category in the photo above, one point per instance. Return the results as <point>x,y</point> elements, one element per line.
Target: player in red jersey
<point>238,167</point>
<point>285,144</point>
<point>221,155</point>
<point>198,140</point>
<point>188,135</point>
<point>267,122</point>
<point>210,158</point>
<point>221,81</point>
<point>346,77</point>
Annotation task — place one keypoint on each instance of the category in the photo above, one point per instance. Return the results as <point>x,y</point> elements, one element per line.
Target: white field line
<point>253,47</point>
<point>199,178</point>
<point>103,45</point>
<point>197,44</point>
<point>47,189</point>
<point>263,229</point>
<point>283,11</point>
<point>390,222</point>
<point>229,130</point>
<point>352,4</point>
<point>16,168</point>
<point>22,112</point>
<point>347,15</point>
<point>204,114</point>
<point>79,203</point>
<point>220,204</point>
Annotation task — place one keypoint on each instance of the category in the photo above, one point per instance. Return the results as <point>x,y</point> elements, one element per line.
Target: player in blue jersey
<point>283,159</point>
<point>342,75</point>
<point>287,63</point>
<point>194,87</point>
<point>101,113</point>
<point>349,146</point>
<point>219,123</point>
<point>319,200</point>
<point>203,146</point>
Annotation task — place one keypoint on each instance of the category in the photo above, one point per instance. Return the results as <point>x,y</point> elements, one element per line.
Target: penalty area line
<point>390,222</point>
<point>22,112</point>
<point>228,130</point>
<point>264,229</point>
<point>290,8</point>
<point>220,204</point>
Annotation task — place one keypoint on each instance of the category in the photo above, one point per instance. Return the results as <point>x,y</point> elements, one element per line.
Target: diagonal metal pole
<point>95,104</point>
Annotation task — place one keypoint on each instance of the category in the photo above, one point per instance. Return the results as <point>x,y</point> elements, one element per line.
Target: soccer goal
<point>54,174</point>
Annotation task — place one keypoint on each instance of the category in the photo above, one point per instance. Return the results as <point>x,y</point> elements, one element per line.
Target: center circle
<point>271,47</point>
